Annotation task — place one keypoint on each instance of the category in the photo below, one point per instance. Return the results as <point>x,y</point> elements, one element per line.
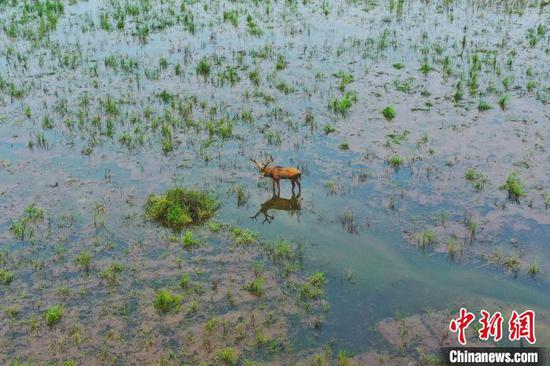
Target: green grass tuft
<point>389,112</point>
<point>179,207</point>
<point>54,315</point>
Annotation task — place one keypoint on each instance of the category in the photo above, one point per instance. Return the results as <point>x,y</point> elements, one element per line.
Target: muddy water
<point>358,215</point>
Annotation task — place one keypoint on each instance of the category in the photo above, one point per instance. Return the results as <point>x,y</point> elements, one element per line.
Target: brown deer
<point>291,205</point>
<point>279,172</point>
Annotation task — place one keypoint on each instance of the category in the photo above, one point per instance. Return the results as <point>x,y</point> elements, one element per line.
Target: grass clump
<point>111,274</point>
<point>533,268</point>
<point>514,186</point>
<point>54,315</point>
<point>328,129</point>
<point>476,178</point>
<point>425,239</point>
<point>313,288</point>
<point>512,263</point>
<point>83,260</point>
<point>6,277</point>
<point>343,105</point>
<point>396,161</point>
<point>31,214</point>
<point>546,198</point>
<point>389,112</point>
<point>179,207</point>
<point>228,356</point>
<point>256,287</point>
<point>483,106</point>
<point>166,301</point>
<point>189,241</point>
<point>185,281</point>
<point>203,67</point>
<point>243,236</point>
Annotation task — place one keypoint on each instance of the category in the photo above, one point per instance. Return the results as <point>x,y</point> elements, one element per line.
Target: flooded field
<point>422,131</point>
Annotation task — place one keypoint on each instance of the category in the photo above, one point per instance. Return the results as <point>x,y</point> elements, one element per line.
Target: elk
<point>279,172</point>
<point>292,205</point>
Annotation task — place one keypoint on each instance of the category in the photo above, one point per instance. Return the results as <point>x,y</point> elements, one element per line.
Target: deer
<point>279,172</point>
<point>291,205</point>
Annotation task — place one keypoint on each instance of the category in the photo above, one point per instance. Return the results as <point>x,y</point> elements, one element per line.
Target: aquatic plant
<point>344,146</point>
<point>546,198</point>
<point>185,281</point>
<point>345,79</point>
<point>476,178</point>
<point>483,106</point>
<point>343,104</point>
<point>54,314</point>
<point>453,249</point>
<point>533,268</point>
<point>253,28</point>
<point>328,129</point>
<point>280,251</point>
<point>256,287</point>
<point>395,161</point>
<point>425,239</point>
<point>166,301</point>
<point>6,277</point>
<point>231,16</point>
<point>228,356</point>
<point>281,63</point>
<point>179,207</point>
<point>514,186</point>
<point>83,260</point>
<point>243,236</point>
<point>189,241</point>
<point>512,263</point>
<point>503,101</point>
<point>111,274</point>
<point>31,214</point>
<point>203,67</point>
<point>389,112</point>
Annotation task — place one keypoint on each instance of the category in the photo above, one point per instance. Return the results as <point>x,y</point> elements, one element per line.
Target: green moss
<point>179,207</point>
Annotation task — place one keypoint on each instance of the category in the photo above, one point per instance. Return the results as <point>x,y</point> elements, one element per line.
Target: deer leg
<point>274,194</point>
<point>293,184</point>
<point>299,181</point>
<point>278,187</point>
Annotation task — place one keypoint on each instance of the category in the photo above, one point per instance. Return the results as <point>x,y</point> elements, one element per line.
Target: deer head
<point>262,165</point>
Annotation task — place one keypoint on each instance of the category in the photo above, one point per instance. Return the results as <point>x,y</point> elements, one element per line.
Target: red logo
<point>520,326</point>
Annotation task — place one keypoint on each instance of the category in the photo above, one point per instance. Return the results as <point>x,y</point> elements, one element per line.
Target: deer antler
<point>269,160</point>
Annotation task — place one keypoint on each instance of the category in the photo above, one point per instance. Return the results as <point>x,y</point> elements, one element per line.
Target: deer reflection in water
<point>292,206</point>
